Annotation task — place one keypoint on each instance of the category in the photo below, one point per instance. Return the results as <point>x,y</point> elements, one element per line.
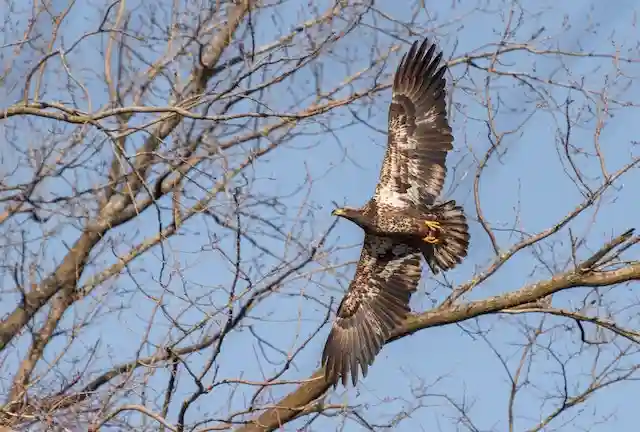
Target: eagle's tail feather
<point>453,238</point>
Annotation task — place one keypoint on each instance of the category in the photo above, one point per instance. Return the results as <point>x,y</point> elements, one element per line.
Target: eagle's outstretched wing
<point>419,137</point>
<point>377,301</point>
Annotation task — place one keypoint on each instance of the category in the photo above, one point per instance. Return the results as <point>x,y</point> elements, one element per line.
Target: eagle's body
<point>402,221</point>
<point>388,220</point>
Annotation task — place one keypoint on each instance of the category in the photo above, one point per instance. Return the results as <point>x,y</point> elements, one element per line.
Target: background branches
<point>169,261</point>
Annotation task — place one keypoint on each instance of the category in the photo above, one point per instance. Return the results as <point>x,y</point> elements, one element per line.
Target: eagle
<point>402,221</point>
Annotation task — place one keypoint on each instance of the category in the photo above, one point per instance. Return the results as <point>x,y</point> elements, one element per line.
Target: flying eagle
<point>402,221</point>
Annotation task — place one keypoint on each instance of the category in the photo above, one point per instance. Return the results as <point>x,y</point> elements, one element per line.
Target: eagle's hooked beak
<point>338,212</point>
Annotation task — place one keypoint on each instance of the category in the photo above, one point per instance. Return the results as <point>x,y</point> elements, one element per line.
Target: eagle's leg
<point>433,226</point>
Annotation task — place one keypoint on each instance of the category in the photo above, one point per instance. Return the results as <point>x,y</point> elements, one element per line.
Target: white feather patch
<point>393,198</point>
<point>429,117</point>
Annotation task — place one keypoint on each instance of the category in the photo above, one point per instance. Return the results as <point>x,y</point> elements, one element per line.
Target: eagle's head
<point>353,214</point>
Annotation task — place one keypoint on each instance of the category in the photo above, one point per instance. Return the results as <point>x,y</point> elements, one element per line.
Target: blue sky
<point>527,182</point>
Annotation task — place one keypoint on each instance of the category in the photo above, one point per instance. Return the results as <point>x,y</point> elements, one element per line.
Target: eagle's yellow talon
<point>432,224</point>
<point>431,239</point>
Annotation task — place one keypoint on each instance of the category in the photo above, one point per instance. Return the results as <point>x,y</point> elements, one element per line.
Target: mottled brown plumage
<point>402,220</point>
<point>377,302</point>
